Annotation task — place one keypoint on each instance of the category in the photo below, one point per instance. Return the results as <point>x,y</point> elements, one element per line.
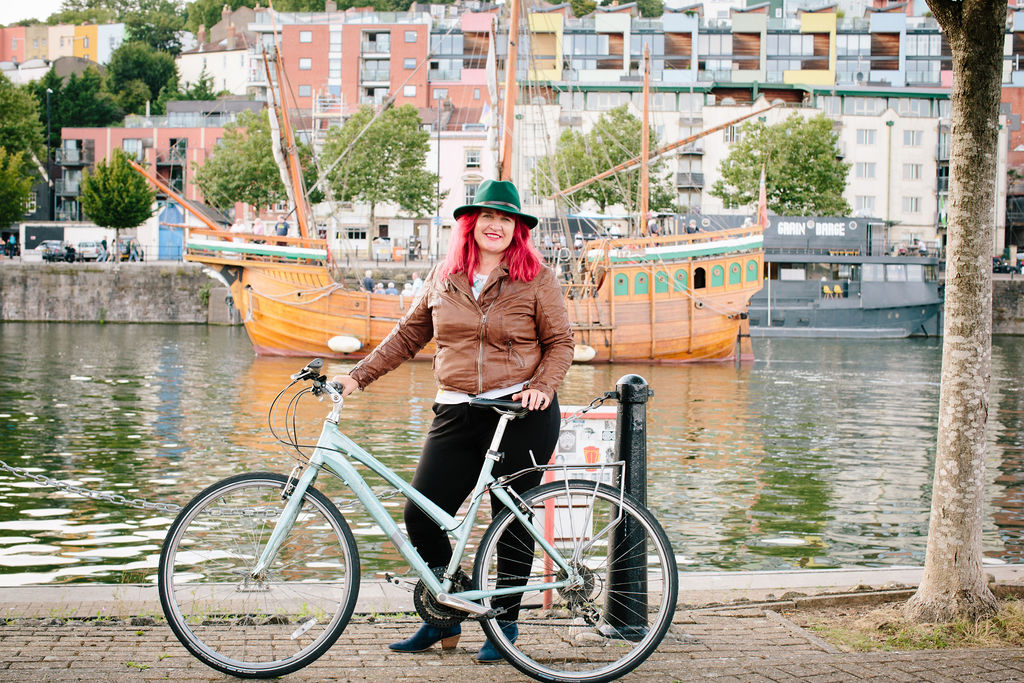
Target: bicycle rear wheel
<point>615,616</point>
<point>285,619</point>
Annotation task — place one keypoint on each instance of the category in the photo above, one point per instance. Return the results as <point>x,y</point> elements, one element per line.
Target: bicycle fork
<point>284,522</point>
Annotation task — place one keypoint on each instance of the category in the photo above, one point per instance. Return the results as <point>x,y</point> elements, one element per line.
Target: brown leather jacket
<point>516,332</point>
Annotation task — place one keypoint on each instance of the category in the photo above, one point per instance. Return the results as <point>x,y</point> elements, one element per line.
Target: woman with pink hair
<point>501,328</point>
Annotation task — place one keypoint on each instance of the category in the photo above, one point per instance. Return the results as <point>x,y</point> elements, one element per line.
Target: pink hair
<point>521,257</point>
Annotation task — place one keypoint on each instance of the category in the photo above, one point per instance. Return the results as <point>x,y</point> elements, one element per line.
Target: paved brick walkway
<point>753,643</point>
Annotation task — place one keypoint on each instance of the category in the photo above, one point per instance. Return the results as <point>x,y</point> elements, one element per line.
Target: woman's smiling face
<point>493,232</point>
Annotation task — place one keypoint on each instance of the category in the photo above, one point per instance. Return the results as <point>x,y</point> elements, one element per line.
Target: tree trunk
<point>953,585</point>
<point>371,232</point>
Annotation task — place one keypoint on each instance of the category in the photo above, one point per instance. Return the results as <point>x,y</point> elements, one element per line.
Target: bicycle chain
<point>141,504</point>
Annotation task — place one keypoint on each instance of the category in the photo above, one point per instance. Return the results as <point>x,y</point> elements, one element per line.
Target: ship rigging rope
<point>290,297</point>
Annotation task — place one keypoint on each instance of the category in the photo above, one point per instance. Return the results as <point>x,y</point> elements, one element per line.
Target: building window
<point>471,189</point>
<point>866,136</point>
<point>305,90</point>
<point>305,64</point>
<point>440,93</point>
<point>865,169</point>
<point>409,63</point>
<point>912,171</point>
<point>305,36</point>
<point>33,203</point>
<point>732,134</point>
<point>410,36</point>
<point>912,138</point>
<point>472,158</point>
<point>409,91</point>
<point>356,233</point>
<point>911,205</point>
<point>864,203</point>
<point>85,42</point>
<point>476,93</point>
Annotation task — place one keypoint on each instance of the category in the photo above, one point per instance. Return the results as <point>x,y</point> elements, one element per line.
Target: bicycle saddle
<point>501,405</point>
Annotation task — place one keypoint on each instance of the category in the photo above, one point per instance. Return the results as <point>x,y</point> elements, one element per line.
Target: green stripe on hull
<point>689,253</point>
<point>260,250</point>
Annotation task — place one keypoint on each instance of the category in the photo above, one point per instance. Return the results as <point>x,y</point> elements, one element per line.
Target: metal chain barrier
<point>596,403</point>
<point>88,493</point>
<point>172,508</point>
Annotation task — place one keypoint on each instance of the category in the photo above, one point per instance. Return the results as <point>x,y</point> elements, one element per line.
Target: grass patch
<point>868,629</point>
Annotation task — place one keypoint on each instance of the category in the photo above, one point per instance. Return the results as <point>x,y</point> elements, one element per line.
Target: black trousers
<point>449,467</point>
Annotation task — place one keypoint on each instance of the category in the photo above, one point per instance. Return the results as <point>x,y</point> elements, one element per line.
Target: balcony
<point>75,157</point>
<point>375,75</point>
<point>689,181</point>
<point>68,188</point>
<point>444,75</point>
<point>174,156</point>
<point>375,47</point>
<point>695,147</point>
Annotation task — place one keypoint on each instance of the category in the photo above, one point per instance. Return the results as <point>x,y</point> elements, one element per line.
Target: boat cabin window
<point>873,272</point>
<point>931,273</point>
<point>896,272</point>
<point>915,272</point>
<point>699,279</point>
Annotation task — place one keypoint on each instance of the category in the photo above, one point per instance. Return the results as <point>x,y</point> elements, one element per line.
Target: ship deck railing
<point>622,250</point>
<point>206,245</point>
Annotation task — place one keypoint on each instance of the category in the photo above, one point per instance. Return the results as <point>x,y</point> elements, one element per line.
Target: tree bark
<point>953,585</point>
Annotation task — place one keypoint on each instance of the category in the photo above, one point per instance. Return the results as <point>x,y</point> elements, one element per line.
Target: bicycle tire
<point>257,628</point>
<point>599,630</point>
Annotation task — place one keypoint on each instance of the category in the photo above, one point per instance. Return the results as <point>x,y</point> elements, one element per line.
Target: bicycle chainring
<point>433,612</point>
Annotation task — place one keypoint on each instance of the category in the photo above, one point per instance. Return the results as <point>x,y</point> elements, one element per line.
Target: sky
<point>16,10</point>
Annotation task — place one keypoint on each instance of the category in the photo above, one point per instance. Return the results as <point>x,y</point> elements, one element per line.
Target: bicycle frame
<point>334,451</point>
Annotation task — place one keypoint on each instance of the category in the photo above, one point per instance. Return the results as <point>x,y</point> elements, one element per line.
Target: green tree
<point>78,101</point>
<point>803,175</point>
<point>242,167</point>
<point>140,62</point>
<point>614,139</point>
<point>387,164</point>
<point>115,195</point>
<point>581,8</point>
<point>208,12</point>
<point>15,186</point>
<point>156,23</point>
<point>20,129</point>
<point>953,585</point>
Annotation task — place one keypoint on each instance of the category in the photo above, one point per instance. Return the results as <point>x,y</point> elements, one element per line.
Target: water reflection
<point>818,455</point>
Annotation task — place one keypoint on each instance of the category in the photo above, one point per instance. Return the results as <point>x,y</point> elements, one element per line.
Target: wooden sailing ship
<point>647,298</point>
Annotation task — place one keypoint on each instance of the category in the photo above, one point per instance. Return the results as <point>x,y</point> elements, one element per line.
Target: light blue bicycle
<point>259,573</point>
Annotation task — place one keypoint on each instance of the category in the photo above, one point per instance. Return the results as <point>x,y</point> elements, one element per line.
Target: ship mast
<point>645,144</point>
<point>509,103</point>
<point>285,137</point>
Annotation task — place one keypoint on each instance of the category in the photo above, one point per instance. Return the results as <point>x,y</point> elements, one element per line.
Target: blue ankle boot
<point>488,653</point>
<point>426,636</point>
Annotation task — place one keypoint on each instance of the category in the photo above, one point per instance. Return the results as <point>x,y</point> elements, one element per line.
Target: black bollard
<point>626,600</point>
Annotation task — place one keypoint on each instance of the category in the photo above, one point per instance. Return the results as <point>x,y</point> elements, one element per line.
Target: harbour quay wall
<point>103,292</point>
<point>1008,306</point>
<point>182,293</point>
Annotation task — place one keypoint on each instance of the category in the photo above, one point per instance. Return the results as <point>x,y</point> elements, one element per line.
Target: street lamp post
<point>49,166</point>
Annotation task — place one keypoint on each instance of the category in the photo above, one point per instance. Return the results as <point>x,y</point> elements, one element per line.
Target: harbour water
<point>819,454</point>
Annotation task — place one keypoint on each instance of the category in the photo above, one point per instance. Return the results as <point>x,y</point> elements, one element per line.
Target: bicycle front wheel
<point>621,604</point>
<point>265,626</point>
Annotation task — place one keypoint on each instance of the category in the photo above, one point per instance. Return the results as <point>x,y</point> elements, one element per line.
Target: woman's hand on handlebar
<point>347,384</point>
<point>533,399</point>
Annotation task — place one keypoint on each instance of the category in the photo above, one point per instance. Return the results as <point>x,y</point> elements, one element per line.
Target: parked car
<point>89,251</point>
<point>125,247</point>
<point>55,250</point>
<point>1003,266</point>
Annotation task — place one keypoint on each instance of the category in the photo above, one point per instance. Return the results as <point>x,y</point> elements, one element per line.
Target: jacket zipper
<point>514,356</point>
<point>480,352</point>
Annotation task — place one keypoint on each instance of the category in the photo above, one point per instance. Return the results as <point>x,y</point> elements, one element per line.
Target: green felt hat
<point>500,195</point>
